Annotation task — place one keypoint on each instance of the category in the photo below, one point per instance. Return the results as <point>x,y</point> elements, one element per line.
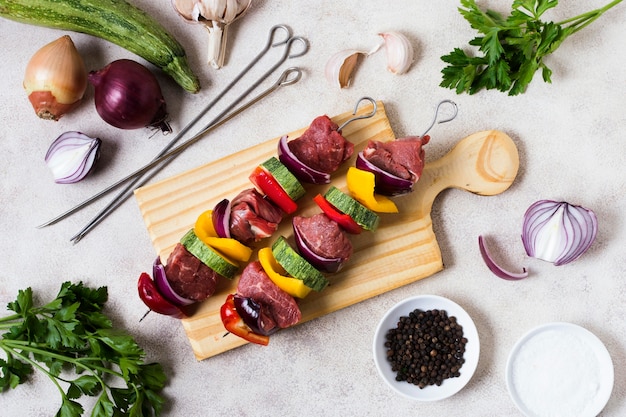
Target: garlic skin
<point>55,79</point>
<point>72,156</point>
<point>340,67</point>
<point>216,16</point>
<point>400,54</point>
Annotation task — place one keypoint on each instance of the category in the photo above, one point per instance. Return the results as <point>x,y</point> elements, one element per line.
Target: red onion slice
<point>164,287</point>
<point>386,183</point>
<point>495,268</point>
<point>252,314</point>
<point>558,232</point>
<point>299,169</point>
<point>221,218</point>
<point>322,264</point>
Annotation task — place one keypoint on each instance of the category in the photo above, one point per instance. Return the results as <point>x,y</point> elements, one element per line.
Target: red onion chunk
<point>558,232</point>
<point>251,312</point>
<point>221,218</point>
<point>321,263</point>
<point>386,183</point>
<point>300,170</point>
<point>164,287</point>
<point>495,268</point>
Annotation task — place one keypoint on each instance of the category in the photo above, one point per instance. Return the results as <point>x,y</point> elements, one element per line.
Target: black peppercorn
<point>426,347</point>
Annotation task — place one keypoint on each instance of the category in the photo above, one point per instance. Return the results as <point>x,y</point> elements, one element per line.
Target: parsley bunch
<point>71,333</point>
<point>512,49</point>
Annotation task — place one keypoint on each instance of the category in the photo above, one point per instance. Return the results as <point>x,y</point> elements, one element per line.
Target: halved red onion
<point>221,218</point>
<point>558,232</point>
<point>164,287</point>
<point>299,169</point>
<point>386,183</point>
<point>495,268</point>
<point>72,156</point>
<point>330,265</point>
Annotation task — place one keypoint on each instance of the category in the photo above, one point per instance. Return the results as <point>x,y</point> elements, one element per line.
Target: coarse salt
<point>555,374</point>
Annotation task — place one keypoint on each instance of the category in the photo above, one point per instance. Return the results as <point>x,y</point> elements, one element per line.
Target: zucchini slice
<point>363,216</point>
<point>296,266</point>
<point>208,255</point>
<point>284,177</point>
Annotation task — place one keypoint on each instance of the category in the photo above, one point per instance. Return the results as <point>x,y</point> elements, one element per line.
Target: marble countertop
<point>571,148</point>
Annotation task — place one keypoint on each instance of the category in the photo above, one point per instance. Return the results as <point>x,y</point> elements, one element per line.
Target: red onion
<point>250,312</point>
<point>321,263</point>
<point>386,183</point>
<point>71,156</point>
<point>128,96</point>
<point>221,218</point>
<point>299,169</point>
<point>164,287</point>
<point>558,232</point>
<point>495,268</point>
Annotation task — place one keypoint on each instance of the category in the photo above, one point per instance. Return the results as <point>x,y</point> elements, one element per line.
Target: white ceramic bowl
<point>449,386</point>
<point>559,369</point>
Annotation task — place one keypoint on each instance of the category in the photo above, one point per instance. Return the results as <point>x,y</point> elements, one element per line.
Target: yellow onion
<point>55,79</point>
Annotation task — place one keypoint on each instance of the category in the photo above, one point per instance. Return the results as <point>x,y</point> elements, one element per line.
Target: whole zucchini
<point>113,20</point>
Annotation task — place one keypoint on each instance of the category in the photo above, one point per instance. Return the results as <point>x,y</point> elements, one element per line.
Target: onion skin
<point>128,96</point>
<point>558,232</point>
<point>55,79</point>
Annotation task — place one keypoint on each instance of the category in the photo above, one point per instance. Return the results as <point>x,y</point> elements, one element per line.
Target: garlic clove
<point>72,156</point>
<point>216,16</point>
<point>400,53</point>
<point>340,67</point>
<point>55,79</point>
<point>188,9</point>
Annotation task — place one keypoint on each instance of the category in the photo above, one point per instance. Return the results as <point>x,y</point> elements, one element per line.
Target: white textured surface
<point>570,138</point>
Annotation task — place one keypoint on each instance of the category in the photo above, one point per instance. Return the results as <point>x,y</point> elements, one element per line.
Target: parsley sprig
<point>71,333</point>
<point>512,48</point>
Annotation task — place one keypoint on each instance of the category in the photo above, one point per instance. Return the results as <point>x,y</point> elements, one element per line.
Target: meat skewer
<point>265,299</point>
<point>250,217</point>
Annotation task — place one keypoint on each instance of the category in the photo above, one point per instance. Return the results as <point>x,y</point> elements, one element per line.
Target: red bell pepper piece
<point>152,298</point>
<point>234,323</point>
<point>268,185</point>
<point>344,220</point>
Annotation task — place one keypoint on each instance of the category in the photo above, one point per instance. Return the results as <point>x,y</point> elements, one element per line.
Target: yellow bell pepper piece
<point>204,225</point>
<point>361,186</point>
<point>292,286</point>
<point>231,249</point>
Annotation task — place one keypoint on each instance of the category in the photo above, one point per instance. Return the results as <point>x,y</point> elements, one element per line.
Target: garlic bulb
<point>71,156</point>
<point>216,15</point>
<point>55,79</point>
<point>400,52</point>
<point>340,67</point>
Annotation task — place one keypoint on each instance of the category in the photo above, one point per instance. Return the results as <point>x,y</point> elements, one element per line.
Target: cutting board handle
<point>484,163</point>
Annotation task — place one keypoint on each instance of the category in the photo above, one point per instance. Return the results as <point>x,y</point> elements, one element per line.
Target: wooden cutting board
<point>402,250</point>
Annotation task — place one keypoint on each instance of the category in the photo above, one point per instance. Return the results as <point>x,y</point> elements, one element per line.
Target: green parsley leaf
<point>511,50</point>
<point>72,333</point>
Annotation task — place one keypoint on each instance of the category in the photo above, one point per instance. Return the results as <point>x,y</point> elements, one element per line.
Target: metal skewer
<point>289,77</point>
<point>287,54</point>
